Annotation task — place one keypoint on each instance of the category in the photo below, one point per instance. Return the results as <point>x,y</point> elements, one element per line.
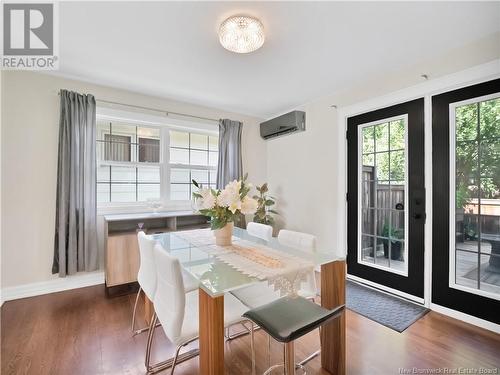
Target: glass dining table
<point>217,274</point>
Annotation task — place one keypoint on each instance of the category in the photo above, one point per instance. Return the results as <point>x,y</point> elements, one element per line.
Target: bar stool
<point>287,319</point>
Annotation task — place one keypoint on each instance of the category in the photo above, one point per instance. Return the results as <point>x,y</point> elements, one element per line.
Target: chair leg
<point>289,358</point>
<point>174,362</point>
<point>151,334</point>
<point>135,309</point>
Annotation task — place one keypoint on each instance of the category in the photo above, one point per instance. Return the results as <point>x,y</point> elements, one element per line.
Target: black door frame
<point>442,294</point>
<point>412,284</point>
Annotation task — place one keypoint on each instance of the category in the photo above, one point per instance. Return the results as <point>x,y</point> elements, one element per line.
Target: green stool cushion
<point>289,318</point>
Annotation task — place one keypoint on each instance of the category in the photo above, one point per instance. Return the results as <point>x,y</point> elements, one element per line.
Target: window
<point>137,163</point>
<point>382,194</point>
<point>475,194</point>
<point>192,156</point>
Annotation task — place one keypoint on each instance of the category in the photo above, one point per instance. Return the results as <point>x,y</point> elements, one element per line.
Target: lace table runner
<point>283,271</point>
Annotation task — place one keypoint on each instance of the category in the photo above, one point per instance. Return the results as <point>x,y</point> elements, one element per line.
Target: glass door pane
<point>382,194</point>
<point>475,157</point>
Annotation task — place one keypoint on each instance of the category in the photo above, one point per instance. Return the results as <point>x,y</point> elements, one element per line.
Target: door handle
<point>418,216</point>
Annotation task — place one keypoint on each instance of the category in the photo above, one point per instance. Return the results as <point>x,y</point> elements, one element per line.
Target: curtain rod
<point>154,109</point>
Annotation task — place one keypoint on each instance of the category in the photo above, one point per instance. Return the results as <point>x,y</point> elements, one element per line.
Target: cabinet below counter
<point>121,249</point>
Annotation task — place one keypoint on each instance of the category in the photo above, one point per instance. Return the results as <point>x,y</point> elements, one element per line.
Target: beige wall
<point>30,116</point>
<point>306,171</point>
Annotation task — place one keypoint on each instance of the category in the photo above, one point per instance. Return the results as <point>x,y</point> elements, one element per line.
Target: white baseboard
<point>466,318</point>
<point>384,288</point>
<point>52,286</point>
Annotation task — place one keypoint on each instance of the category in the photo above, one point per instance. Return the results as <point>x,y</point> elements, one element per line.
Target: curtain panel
<point>230,166</point>
<point>75,245</point>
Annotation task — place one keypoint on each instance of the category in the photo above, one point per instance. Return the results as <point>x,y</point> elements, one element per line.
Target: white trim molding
<point>59,284</point>
<point>466,318</point>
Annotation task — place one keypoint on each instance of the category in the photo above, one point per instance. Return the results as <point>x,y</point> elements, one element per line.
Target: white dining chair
<point>261,231</point>
<point>146,277</point>
<point>177,311</point>
<point>307,243</point>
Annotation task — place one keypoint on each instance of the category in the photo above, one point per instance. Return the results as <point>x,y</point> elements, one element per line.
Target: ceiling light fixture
<point>241,34</point>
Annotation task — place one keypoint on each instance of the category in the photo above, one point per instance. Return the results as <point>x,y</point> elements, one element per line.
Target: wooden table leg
<point>148,310</point>
<point>333,277</point>
<point>211,311</point>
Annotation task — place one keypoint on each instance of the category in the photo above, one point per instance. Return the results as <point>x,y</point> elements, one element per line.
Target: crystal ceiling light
<point>241,34</point>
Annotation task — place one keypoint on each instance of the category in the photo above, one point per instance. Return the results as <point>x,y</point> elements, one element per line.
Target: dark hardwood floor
<point>83,332</point>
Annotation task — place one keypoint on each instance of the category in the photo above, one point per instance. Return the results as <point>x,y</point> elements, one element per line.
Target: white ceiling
<point>170,49</point>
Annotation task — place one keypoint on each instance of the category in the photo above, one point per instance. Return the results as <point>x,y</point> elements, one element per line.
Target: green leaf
<point>264,188</point>
<point>273,212</point>
<point>269,202</point>
<point>195,183</point>
<point>196,195</point>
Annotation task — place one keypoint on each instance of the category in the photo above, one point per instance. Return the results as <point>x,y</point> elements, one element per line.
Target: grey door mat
<point>390,311</point>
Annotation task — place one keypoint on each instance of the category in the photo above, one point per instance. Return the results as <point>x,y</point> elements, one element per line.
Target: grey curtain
<point>75,246</point>
<point>230,166</point>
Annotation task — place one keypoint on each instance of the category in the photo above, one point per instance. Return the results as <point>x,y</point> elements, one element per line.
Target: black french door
<point>386,197</point>
<point>466,200</point>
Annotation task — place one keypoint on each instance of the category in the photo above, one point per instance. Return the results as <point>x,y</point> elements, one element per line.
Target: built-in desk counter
<point>120,239</point>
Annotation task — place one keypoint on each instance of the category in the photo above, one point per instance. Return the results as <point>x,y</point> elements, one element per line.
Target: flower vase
<point>224,235</point>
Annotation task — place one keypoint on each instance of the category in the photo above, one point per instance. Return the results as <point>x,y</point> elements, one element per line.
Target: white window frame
<point>452,251</point>
<point>359,213</point>
<point>165,124</point>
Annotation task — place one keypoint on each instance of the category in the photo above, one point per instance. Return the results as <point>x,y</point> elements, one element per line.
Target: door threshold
<point>386,289</point>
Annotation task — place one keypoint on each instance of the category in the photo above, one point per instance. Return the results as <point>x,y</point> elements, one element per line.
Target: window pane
<point>180,175</point>
<point>397,139</point>
<point>213,177</point>
<point>466,154</point>
<point>102,128</point>
<point>103,173</point>
<point>123,174</point>
<point>213,143</point>
<point>151,133</point>
<point>466,122</point>
<point>179,139</point>
<point>213,158</point>
<point>367,248</point>
<point>148,174</point>
<point>368,221</point>
<point>368,140</point>
<point>383,223</point>
<point>367,194</point>
<point>490,118</point>
<point>102,192</point>
<point>200,176</point>
<point>398,225</point>
<point>148,192</point>
<point>119,129</point>
<point>490,158</point>
<point>466,264</point>
<point>368,160</point>
<point>179,192</point>
<point>397,165</point>
<point>198,157</point>
<point>382,166</point>
<point>117,148</point>
<point>179,156</point>
<point>489,273</point>
<point>149,150</point>
<point>382,137</point>
<point>382,253</point>
<point>199,141</point>
<point>123,193</point>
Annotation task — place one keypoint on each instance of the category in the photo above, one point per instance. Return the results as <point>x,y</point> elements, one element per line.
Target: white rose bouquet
<point>222,206</point>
